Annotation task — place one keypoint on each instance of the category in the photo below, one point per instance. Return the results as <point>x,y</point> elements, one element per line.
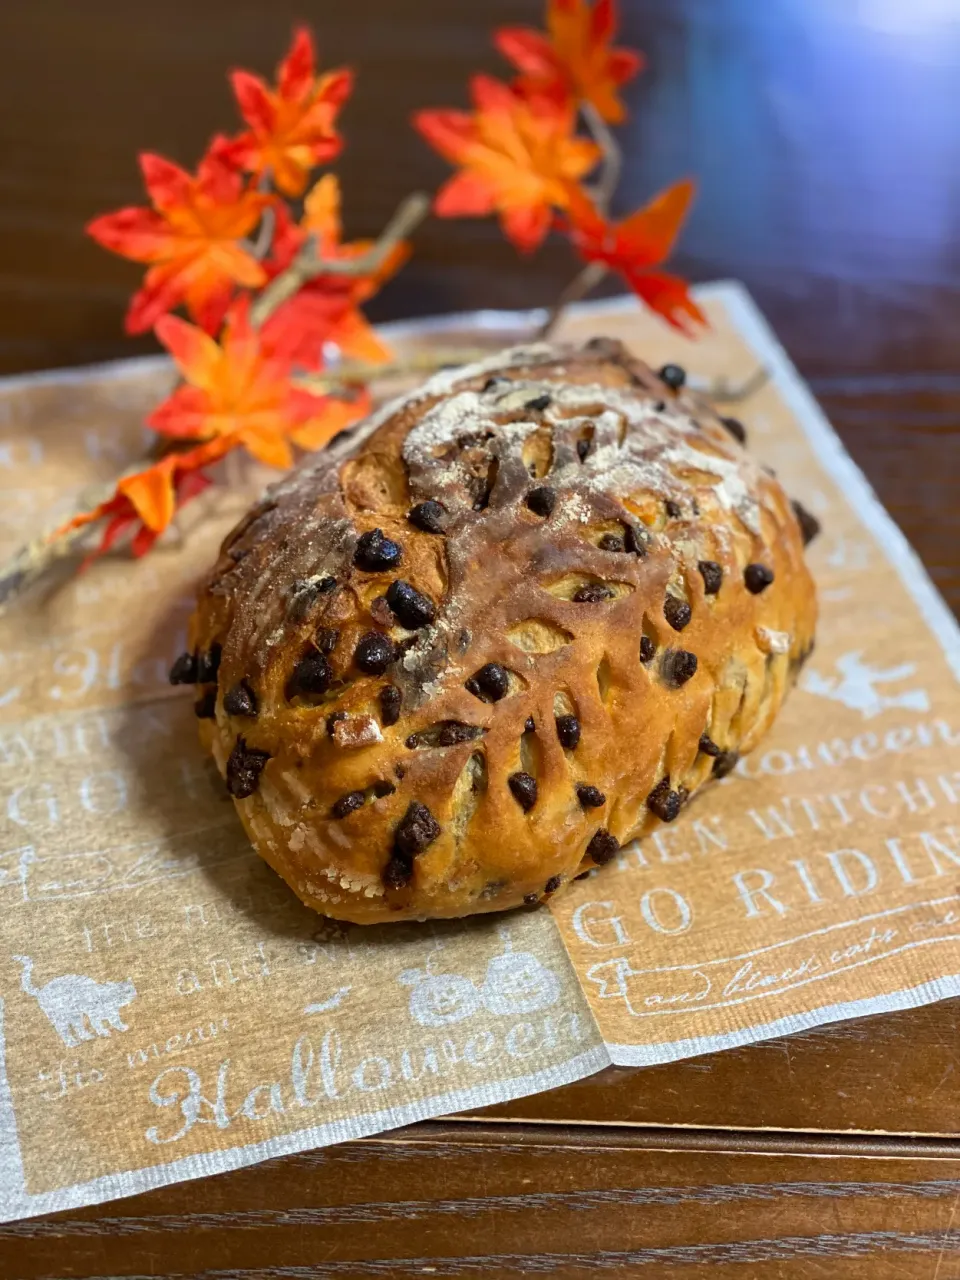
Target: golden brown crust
<point>597,529</point>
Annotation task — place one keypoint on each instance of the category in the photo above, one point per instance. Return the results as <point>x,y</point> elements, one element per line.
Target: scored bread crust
<point>465,793</point>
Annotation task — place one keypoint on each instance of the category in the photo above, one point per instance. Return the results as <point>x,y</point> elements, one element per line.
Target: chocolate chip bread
<point>516,620</point>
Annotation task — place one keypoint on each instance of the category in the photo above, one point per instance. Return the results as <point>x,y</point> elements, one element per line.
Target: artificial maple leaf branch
<point>280,297</point>
<point>307,265</point>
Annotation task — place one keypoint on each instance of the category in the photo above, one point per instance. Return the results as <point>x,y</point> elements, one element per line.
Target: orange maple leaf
<point>145,501</point>
<point>192,235</point>
<point>326,308</point>
<point>518,156</point>
<point>239,390</point>
<point>637,245</point>
<point>575,60</point>
<point>292,129</point>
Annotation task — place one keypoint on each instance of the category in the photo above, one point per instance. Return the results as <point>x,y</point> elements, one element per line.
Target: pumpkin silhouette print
<point>437,999</point>
<point>517,982</point>
<point>78,1008</point>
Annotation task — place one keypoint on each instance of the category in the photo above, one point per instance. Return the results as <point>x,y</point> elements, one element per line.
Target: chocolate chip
<point>375,652</point>
<point>647,649</point>
<point>184,669</point>
<point>590,797</point>
<point>304,594</point>
<point>584,875</point>
<point>244,768</point>
<point>539,403</point>
<point>674,376</point>
<point>592,593</point>
<point>636,540</point>
<point>674,509</point>
<point>725,763</point>
<point>610,542</point>
<point>334,719</point>
<point>757,578</point>
<point>531,899</point>
<point>412,609</point>
<point>553,884</point>
<point>736,429</point>
<point>542,500</point>
<point>427,516</point>
<point>205,708</point>
<point>312,674</point>
<point>381,789</point>
<point>529,725</point>
<point>677,612</point>
<point>602,846</point>
<point>712,575</point>
<point>346,804</point>
<point>568,731</point>
<point>390,700</point>
<point>240,700</point>
<point>498,380</point>
<point>809,524</point>
<point>659,406</point>
<point>664,802</point>
<point>583,448</point>
<point>327,638</point>
<point>375,552</point>
<point>417,829</point>
<point>708,746</point>
<point>678,667</point>
<point>490,683</point>
<point>524,790</point>
<point>208,664</point>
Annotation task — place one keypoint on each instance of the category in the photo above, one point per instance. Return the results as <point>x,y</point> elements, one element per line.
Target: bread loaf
<point>517,619</point>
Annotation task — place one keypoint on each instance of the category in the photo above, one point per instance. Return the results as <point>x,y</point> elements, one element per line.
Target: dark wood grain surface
<point>826,138</point>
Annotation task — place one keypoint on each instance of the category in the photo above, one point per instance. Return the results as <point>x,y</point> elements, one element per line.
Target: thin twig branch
<point>38,555</point>
<point>581,284</point>
<point>306,266</point>
<point>604,191</point>
<point>268,224</point>
<point>723,391</point>
<point>353,373</point>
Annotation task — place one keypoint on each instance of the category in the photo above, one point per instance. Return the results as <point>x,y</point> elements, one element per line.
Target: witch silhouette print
<point>78,1008</point>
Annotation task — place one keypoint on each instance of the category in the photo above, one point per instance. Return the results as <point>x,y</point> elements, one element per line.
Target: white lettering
<point>676,905</point>
<point>750,895</point>
<point>838,861</point>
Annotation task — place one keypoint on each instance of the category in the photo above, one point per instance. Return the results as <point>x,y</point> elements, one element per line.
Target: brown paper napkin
<point>169,1009</point>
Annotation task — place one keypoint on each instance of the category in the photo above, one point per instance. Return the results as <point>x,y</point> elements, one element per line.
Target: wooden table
<point>826,136</point>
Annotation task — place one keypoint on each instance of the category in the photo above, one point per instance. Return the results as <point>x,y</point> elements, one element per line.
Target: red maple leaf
<point>192,235</point>
<point>239,390</point>
<point>519,159</point>
<point>292,128</point>
<point>574,61</point>
<point>636,246</point>
<point>144,503</point>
